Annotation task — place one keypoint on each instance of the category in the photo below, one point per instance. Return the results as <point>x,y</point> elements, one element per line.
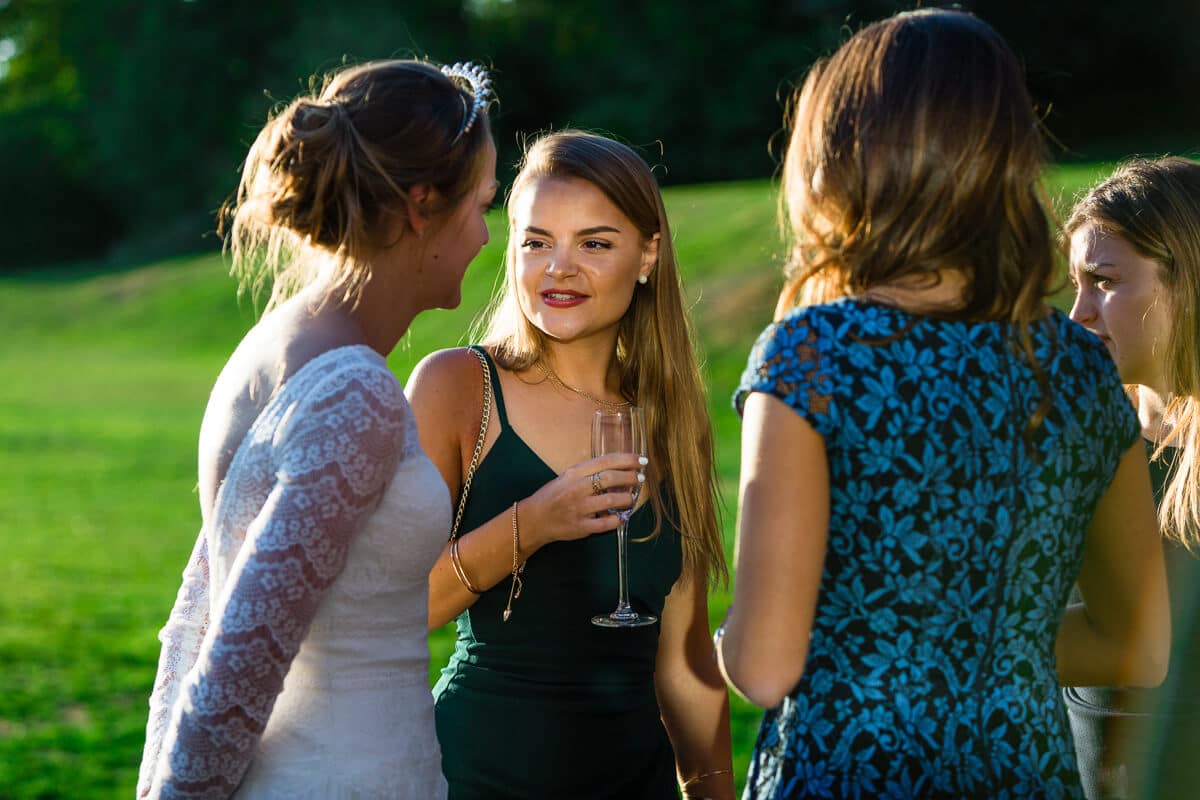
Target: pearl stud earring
<point>643,278</point>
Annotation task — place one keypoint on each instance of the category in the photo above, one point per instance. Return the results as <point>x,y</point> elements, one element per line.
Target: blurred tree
<point>122,122</point>
<point>50,208</point>
<point>1115,78</point>
<point>696,83</point>
<point>141,111</point>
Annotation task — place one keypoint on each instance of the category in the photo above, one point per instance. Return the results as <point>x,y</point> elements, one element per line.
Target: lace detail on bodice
<point>329,450</point>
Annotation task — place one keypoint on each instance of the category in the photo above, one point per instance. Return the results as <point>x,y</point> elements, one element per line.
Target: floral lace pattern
<point>951,551</point>
<point>311,471</point>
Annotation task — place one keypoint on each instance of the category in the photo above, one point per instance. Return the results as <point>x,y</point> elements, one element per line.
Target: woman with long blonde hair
<point>1135,263</point>
<point>536,700</point>
<point>932,455</point>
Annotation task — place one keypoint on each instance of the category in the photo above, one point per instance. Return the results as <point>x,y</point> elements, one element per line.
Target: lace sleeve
<point>334,457</point>
<point>181,638</point>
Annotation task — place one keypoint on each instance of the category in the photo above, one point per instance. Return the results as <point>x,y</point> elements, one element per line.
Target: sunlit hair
<point>1154,205</point>
<point>656,351</point>
<point>327,174</point>
<point>915,149</point>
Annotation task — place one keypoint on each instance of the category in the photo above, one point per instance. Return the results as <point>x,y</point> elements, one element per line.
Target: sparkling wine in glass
<point>622,431</point>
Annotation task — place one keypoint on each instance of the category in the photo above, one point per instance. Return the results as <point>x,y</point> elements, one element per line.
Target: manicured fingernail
<point>641,478</point>
<point>643,460</point>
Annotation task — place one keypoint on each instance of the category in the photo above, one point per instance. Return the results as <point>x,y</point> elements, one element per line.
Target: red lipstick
<point>562,298</point>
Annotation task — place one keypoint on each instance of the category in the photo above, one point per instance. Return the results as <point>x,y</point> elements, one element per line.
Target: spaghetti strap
<point>497,394</point>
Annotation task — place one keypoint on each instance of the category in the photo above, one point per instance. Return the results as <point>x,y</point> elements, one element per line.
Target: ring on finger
<point>596,487</point>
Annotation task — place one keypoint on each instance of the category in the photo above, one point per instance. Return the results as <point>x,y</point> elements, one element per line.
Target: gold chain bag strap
<point>483,426</point>
<point>455,562</point>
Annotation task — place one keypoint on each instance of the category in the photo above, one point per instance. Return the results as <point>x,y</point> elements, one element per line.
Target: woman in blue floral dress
<point>931,455</point>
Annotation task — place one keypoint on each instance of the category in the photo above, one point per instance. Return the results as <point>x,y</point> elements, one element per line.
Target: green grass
<point>103,380</point>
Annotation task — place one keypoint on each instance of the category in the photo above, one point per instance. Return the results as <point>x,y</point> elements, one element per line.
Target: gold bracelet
<point>456,563</point>
<point>703,775</point>
<point>517,569</point>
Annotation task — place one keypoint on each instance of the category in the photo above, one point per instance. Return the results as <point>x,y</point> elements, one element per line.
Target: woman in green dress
<point>537,702</point>
<point>1135,264</point>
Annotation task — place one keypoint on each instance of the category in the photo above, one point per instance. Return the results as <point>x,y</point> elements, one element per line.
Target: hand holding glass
<point>621,431</point>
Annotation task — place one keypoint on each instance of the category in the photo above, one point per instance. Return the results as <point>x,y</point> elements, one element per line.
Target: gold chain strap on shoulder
<point>483,426</point>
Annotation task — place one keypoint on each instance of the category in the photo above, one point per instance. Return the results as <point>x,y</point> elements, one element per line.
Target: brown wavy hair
<point>915,149</point>
<point>329,169</point>
<point>656,346</point>
<point>1154,205</point>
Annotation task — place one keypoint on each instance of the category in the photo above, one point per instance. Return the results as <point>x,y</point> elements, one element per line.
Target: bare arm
<point>1120,635</point>
<point>783,528</point>
<point>445,392</point>
<point>692,696</point>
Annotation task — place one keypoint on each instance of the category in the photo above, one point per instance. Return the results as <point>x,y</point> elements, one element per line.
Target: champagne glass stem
<point>623,608</point>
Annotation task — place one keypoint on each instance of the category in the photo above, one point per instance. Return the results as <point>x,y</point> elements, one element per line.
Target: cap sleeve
<point>791,361</point>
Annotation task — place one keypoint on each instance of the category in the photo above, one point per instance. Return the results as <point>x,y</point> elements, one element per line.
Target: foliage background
<point>122,122</point>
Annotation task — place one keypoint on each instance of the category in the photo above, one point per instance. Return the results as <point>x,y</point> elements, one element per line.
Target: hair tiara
<point>476,78</point>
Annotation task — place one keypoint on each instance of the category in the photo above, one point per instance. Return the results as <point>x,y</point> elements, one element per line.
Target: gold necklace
<point>557,381</point>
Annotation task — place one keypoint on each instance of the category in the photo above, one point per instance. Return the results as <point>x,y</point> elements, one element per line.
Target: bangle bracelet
<point>517,568</point>
<point>703,775</point>
<point>456,563</point>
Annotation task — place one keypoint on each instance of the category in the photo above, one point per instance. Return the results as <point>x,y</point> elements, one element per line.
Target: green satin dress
<point>547,705</point>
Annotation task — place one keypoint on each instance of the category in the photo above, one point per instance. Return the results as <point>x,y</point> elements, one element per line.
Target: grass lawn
<point>103,380</point>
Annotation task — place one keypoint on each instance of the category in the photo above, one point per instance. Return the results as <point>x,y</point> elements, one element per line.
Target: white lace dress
<point>295,662</point>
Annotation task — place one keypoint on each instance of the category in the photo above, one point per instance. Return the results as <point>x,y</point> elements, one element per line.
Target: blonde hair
<point>327,171</point>
<point>915,150</point>
<point>1154,205</point>
<point>656,350</point>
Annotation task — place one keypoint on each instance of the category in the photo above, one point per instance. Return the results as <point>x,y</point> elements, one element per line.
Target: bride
<point>295,662</point>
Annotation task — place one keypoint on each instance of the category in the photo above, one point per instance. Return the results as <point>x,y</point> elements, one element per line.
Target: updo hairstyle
<point>326,175</point>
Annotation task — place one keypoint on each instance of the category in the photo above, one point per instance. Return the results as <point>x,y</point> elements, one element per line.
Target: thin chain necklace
<point>557,381</point>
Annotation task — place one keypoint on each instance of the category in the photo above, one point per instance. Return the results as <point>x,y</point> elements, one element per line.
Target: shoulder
<point>347,393</point>
<point>1085,374</point>
<point>802,335</point>
<point>796,359</point>
<point>822,326</point>
<point>1072,333</point>
<point>456,363</point>
<point>1084,350</point>
<point>348,370</point>
<point>817,317</point>
<point>445,374</point>
<point>445,390</point>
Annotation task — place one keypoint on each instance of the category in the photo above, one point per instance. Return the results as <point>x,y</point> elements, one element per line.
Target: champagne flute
<point>622,431</point>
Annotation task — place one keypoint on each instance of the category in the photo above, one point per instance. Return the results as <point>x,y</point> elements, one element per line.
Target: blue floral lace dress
<point>951,550</point>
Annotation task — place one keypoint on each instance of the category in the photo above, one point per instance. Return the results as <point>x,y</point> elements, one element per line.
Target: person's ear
<point>649,258</point>
<point>421,198</point>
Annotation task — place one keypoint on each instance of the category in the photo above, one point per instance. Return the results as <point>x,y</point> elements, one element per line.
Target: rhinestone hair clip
<point>481,91</point>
